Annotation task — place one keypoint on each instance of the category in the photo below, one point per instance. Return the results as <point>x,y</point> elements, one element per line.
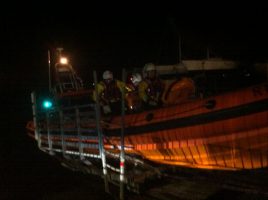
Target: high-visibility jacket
<point>151,89</point>
<point>109,93</point>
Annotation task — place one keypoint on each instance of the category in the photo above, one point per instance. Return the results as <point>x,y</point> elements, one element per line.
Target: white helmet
<point>136,79</point>
<point>149,67</point>
<point>107,75</point>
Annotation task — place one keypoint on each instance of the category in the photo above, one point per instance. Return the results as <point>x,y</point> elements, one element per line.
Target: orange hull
<point>227,131</point>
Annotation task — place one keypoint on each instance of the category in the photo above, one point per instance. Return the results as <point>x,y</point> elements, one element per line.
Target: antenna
<point>179,48</point>
<point>208,53</point>
<point>177,35</point>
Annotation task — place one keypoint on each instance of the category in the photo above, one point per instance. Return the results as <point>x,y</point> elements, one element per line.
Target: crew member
<point>152,87</point>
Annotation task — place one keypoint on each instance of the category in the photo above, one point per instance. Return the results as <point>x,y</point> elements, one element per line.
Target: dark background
<point>128,37</point>
<point>98,39</point>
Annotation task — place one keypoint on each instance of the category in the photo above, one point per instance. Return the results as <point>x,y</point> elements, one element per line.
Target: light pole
<point>49,73</point>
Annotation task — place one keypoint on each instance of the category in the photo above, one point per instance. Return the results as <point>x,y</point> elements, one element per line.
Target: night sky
<point>105,38</point>
<point>109,38</point>
<point>121,38</point>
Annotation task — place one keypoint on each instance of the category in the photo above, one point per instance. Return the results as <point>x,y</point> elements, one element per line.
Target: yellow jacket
<point>117,88</point>
<point>151,90</point>
<point>142,90</point>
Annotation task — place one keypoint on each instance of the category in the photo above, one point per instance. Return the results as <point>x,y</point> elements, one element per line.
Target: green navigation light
<point>47,104</point>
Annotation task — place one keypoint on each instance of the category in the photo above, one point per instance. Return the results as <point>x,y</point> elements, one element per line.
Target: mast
<point>180,48</point>
<point>177,36</point>
<point>49,71</point>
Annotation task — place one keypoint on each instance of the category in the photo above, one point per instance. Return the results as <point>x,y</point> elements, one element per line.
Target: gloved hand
<point>106,109</point>
<point>152,103</point>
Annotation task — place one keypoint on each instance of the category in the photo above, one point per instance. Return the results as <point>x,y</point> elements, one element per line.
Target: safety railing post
<point>48,133</point>
<point>36,128</point>
<point>78,125</point>
<point>99,130</point>
<point>122,150</point>
<point>63,144</point>
<point>33,99</point>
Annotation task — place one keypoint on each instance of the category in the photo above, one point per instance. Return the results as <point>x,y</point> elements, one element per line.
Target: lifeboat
<point>227,131</point>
